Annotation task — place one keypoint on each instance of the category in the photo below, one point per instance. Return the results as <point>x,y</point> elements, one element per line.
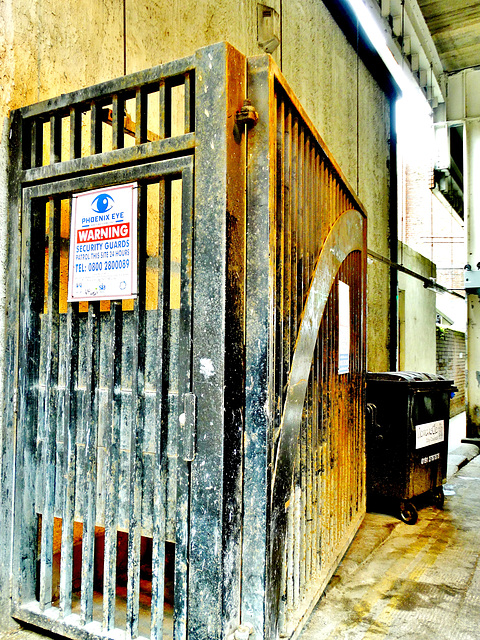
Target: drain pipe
<point>393,231</point>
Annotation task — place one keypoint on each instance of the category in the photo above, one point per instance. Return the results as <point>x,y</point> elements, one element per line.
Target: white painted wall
<point>417,343</point>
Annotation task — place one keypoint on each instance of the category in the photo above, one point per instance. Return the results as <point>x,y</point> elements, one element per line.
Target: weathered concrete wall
<point>417,339</point>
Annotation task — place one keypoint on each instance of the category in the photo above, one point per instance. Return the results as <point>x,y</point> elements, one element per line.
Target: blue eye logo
<point>102,203</point>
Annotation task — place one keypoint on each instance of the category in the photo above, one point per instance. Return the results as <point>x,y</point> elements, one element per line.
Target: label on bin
<point>430,433</point>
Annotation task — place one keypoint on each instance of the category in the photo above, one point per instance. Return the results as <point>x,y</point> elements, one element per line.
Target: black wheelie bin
<point>407,438</point>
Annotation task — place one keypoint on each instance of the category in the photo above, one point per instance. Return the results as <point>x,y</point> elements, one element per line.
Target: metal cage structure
<point>191,460</point>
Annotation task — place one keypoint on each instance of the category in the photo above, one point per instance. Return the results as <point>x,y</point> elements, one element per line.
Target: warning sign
<point>343,327</point>
<point>103,244</point>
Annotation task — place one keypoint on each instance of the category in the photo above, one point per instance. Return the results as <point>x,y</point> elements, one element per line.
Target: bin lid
<point>406,376</point>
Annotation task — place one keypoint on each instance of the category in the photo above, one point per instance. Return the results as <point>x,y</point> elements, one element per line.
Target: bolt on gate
<point>189,462</point>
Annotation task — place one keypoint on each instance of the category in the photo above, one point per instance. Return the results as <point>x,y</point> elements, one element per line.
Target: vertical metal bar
<point>75,132</point>
<point>118,119</point>
<point>189,102</point>
<point>137,426</point>
<point>302,228</point>
<point>69,418</point>
<point>141,116</point>
<point>282,609</point>
<point>95,128</point>
<point>114,403</point>
<point>161,415</point>
<point>297,534</point>
<point>184,386</point>
<point>290,546</point>
<point>306,208</point>
<point>55,138</point>
<point>162,110</point>
<point>89,462</point>
<point>322,461</point>
<point>280,264</point>
<point>235,343</point>
<point>288,251</point>
<point>309,480</point>
<point>8,428</point>
<point>166,93</point>
<point>295,236</point>
<point>31,305</point>
<point>316,444</point>
<point>37,143</point>
<point>259,331</point>
<point>315,456</point>
<point>302,494</point>
<point>222,70</point>
<point>313,230</point>
<point>318,204</point>
<point>50,402</point>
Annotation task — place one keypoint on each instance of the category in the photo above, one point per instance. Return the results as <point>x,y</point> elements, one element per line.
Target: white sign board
<point>343,327</point>
<point>430,433</point>
<point>103,244</point>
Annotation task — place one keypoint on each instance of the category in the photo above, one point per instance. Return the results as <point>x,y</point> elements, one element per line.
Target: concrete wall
<point>51,47</point>
<point>353,116</point>
<point>417,314</point>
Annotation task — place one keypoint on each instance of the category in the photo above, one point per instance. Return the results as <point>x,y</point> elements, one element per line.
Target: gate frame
<point>218,322</point>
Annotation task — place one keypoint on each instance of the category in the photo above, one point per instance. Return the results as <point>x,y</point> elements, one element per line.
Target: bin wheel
<point>438,497</point>
<point>408,513</point>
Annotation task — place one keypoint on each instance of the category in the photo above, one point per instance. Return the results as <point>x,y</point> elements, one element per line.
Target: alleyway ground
<point>405,582</point>
<point>419,582</point>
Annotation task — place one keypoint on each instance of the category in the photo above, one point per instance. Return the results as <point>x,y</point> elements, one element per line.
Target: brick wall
<point>451,364</point>
<point>432,228</point>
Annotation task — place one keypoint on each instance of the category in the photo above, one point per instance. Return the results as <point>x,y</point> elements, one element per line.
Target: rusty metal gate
<point>304,483</point>
<point>117,408</point>
<point>193,459</point>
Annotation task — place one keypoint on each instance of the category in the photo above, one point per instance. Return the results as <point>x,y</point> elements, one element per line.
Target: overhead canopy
<point>455,29</point>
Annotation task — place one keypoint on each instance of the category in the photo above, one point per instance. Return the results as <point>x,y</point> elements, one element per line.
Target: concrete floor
<point>404,582</point>
<point>419,582</point>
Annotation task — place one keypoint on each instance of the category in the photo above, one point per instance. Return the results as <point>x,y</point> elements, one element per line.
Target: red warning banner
<point>103,233</point>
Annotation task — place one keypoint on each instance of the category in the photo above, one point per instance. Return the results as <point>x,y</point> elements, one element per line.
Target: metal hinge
<point>188,426</point>
<point>247,114</point>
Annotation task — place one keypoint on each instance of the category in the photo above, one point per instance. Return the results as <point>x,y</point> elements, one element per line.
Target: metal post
<point>8,423</point>
<point>220,204</point>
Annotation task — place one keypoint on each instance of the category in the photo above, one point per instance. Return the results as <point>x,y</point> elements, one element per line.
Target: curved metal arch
<point>345,237</point>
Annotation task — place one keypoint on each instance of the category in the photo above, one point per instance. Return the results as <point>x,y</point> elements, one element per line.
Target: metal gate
<point>115,430</point>
<point>304,480</point>
<point>192,460</point>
